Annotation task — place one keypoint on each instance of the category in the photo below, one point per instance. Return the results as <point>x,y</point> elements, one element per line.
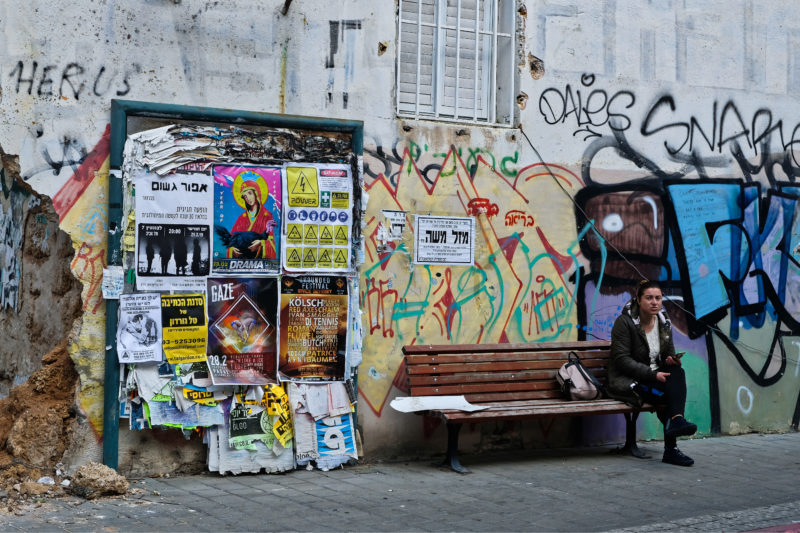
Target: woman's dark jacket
<point>630,353</point>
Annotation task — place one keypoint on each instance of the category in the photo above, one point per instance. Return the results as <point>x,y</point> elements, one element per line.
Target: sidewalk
<point>737,484</point>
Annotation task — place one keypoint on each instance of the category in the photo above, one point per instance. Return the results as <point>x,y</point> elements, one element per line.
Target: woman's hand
<point>674,359</point>
<point>662,376</point>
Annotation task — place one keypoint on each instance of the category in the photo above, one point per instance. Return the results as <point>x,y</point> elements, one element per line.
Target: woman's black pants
<point>669,396</point>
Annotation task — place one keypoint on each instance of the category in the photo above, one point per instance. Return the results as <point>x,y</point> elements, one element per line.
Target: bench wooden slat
<point>489,377</point>
<point>563,346</point>
<point>453,368</point>
<point>510,396</point>
<point>470,357</point>
<point>566,409</point>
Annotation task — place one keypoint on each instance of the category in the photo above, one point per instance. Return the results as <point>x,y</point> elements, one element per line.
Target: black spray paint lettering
<point>69,82</point>
<point>597,110</point>
<point>73,153</point>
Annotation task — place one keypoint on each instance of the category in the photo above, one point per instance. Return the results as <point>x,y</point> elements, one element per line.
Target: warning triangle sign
<point>311,233</point>
<point>309,256</point>
<point>325,233</point>
<point>294,257</point>
<point>294,233</point>
<point>303,185</point>
<point>341,233</point>
<point>325,256</point>
<point>340,256</point>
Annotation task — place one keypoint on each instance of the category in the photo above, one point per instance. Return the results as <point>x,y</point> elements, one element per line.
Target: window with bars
<point>456,60</point>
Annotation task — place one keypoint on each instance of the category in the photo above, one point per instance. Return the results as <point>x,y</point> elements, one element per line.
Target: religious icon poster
<point>247,220</point>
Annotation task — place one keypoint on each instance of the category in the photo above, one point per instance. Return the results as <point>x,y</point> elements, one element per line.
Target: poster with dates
<point>173,231</point>
<point>247,220</point>
<point>317,217</point>
<point>242,330</point>
<point>313,328</point>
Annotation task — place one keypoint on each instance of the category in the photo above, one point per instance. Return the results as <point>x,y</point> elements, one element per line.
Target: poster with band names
<point>444,240</point>
<point>173,231</point>
<point>313,328</point>
<point>318,217</point>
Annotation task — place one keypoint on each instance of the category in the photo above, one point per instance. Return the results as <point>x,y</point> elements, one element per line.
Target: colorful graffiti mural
<point>560,250</point>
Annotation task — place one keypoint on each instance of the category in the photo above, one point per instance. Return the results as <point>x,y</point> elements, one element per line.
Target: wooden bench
<point>514,381</point>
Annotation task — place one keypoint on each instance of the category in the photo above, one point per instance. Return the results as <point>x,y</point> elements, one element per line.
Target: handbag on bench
<point>576,382</point>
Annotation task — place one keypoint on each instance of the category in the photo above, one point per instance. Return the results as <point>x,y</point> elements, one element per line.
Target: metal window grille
<point>456,60</point>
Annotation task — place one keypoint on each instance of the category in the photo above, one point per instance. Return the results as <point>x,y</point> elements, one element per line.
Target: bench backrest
<point>497,372</point>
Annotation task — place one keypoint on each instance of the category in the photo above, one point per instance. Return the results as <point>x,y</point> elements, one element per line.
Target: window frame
<point>499,110</point>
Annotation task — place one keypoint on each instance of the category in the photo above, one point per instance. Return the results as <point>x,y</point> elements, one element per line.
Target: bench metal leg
<point>630,437</point>
<point>451,460</point>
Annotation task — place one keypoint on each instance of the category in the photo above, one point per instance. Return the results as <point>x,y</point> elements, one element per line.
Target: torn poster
<point>444,240</point>
<point>245,429</point>
<point>247,219</point>
<point>242,330</point>
<point>173,231</point>
<point>183,320</point>
<point>336,436</point>
<point>139,328</point>
<point>113,282</point>
<point>318,217</point>
<point>313,328</point>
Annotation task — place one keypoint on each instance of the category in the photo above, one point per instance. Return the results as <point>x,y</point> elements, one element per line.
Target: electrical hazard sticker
<point>302,186</point>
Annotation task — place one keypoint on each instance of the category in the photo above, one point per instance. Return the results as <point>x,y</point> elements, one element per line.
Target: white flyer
<point>139,328</point>
<point>173,231</point>
<point>444,240</point>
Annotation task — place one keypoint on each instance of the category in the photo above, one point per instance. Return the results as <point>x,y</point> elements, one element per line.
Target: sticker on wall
<point>318,214</point>
<point>173,231</point>
<point>139,328</point>
<point>335,436</point>
<point>247,215</point>
<point>242,330</point>
<point>183,320</point>
<point>313,328</point>
<point>444,240</point>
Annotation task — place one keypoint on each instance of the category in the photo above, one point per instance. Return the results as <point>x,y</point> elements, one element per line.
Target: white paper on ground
<point>426,403</point>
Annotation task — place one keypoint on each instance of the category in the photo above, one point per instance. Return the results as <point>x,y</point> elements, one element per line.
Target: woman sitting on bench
<point>645,368</point>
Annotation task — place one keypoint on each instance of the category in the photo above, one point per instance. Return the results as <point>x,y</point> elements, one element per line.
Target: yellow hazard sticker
<point>302,186</point>
<point>294,233</point>
<point>340,200</point>
<point>340,236</point>
<point>340,256</point>
<point>325,259</point>
<point>325,235</point>
<point>310,237</point>
<point>309,258</point>
<point>293,257</point>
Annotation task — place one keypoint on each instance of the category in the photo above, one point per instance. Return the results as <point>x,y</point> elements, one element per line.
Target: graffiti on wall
<point>12,206</point>
<point>553,265</point>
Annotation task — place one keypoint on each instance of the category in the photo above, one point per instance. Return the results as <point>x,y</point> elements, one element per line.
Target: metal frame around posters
<point>121,110</point>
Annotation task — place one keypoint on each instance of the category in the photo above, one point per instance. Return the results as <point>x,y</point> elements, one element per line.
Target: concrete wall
<point>634,111</point>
